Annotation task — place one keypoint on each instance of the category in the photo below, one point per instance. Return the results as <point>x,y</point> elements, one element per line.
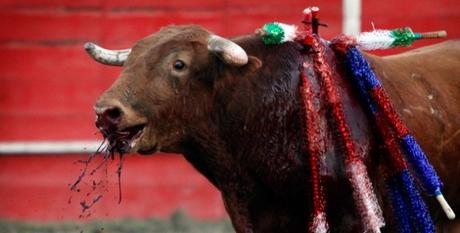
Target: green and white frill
<point>277,33</point>
<point>384,39</point>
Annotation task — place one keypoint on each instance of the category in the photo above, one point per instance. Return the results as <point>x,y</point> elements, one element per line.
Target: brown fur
<point>241,127</point>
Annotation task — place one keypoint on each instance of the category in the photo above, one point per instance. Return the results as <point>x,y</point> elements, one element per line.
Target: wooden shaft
<point>433,35</point>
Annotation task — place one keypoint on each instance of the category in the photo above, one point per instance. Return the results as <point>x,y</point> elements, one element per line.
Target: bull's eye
<point>179,65</point>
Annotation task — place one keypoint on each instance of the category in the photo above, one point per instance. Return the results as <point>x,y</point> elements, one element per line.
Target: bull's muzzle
<point>108,118</point>
<point>120,126</point>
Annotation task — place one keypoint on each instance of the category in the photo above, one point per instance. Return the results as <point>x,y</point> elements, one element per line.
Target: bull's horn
<point>105,56</point>
<point>227,50</point>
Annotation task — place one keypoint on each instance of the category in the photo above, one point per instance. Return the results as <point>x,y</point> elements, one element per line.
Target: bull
<point>232,108</point>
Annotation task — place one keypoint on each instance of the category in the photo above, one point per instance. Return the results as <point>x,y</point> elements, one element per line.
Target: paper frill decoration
<point>405,198</point>
<point>411,212</point>
<point>398,204</point>
<point>384,39</point>
<point>318,224</point>
<point>277,33</point>
<point>413,152</point>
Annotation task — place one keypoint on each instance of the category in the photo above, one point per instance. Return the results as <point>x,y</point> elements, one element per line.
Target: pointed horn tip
<point>89,46</point>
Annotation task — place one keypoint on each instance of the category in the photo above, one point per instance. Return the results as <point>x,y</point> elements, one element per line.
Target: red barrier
<point>37,188</point>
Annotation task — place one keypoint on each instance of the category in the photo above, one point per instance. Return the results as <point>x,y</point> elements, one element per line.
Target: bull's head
<point>167,82</point>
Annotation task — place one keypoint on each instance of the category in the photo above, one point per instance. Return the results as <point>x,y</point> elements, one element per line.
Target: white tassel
<point>365,198</point>
<point>319,224</point>
<point>377,39</point>
<point>290,32</point>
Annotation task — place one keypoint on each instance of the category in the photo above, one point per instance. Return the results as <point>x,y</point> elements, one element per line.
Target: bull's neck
<point>258,112</point>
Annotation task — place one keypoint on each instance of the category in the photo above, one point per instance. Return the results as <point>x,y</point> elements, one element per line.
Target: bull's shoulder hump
<point>446,48</point>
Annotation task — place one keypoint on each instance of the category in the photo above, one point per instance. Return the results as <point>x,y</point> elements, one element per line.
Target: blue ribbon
<point>399,206</point>
<point>422,167</point>
<point>419,215</point>
<point>402,188</point>
<point>360,71</point>
<point>365,80</point>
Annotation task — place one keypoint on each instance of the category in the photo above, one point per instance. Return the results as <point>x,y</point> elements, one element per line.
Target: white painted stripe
<point>49,147</point>
<point>351,17</point>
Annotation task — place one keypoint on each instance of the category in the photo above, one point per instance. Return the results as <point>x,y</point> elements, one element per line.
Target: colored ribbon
<point>401,186</point>
<point>425,172</point>
<point>363,193</point>
<point>311,133</point>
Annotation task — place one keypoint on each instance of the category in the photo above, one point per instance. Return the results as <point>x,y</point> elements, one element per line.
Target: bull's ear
<point>228,51</point>
<point>254,63</point>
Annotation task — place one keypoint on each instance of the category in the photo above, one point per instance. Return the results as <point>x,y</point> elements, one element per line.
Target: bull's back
<point>424,86</point>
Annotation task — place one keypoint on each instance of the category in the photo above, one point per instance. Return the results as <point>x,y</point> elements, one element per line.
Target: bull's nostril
<point>113,114</point>
<point>108,118</point>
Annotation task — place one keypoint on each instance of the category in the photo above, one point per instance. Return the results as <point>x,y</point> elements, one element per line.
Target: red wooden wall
<point>48,86</point>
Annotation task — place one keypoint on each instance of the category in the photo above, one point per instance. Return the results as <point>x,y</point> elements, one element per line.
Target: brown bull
<point>234,112</point>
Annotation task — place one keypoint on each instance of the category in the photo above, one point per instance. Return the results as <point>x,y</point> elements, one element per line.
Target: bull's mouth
<point>124,140</point>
